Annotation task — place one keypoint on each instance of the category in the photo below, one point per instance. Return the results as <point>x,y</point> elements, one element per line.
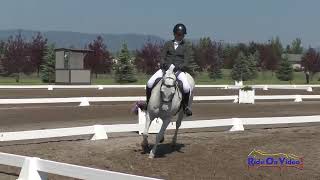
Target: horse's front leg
<point>159,136</point>
<point>145,144</point>
<point>178,124</point>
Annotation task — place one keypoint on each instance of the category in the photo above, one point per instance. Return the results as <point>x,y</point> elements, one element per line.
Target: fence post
<point>237,125</point>
<point>50,87</point>
<point>99,133</point>
<point>84,102</point>
<point>236,99</point>
<point>29,170</point>
<point>265,88</point>
<point>298,98</point>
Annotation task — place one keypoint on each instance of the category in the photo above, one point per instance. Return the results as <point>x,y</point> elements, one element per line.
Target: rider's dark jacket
<point>179,57</point>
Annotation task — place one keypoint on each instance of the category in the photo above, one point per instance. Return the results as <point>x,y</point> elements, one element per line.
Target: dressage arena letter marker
<point>237,125</point>
<point>29,170</point>
<point>298,98</point>
<point>99,133</point>
<point>50,88</point>
<point>236,99</point>
<point>84,102</point>
<point>265,88</point>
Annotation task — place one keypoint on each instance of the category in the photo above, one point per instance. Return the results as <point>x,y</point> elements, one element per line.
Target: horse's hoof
<point>161,141</point>
<point>145,149</point>
<point>151,155</point>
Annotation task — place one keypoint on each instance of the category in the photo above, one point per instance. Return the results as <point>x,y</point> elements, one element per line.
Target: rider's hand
<point>176,69</point>
<point>164,66</point>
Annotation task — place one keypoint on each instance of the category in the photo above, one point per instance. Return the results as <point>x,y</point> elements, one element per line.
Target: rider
<point>177,52</point>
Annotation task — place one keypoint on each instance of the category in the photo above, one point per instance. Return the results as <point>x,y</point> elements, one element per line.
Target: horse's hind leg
<point>178,124</point>
<point>159,137</point>
<point>145,144</point>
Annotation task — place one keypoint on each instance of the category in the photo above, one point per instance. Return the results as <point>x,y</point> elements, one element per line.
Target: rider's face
<point>179,36</point>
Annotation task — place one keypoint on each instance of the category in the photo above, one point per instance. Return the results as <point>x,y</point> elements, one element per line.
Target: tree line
<point>17,56</point>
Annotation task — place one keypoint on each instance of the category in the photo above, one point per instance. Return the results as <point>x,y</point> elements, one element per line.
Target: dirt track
<point>38,93</point>
<point>39,117</point>
<point>205,155</point>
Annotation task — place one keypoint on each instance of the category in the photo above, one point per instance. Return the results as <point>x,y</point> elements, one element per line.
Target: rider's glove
<point>164,66</point>
<point>176,68</point>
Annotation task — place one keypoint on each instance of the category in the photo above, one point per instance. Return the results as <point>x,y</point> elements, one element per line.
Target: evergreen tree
<point>192,66</point>
<point>215,68</point>
<point>47,69</point>
<point>124,69</point>
<point>285,72</point>
<point>253,60</point>
<point>241,70</point>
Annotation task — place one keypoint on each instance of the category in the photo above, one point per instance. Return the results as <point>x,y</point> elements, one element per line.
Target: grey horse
<point>165,103</point>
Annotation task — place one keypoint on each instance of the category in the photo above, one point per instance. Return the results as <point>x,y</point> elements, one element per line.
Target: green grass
<point>24,79</point>
<point>201,78</point>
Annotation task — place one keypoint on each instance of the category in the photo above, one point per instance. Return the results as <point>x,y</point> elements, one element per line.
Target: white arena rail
<point>36,169</point>
<point>100,87</point>
<point>85,100</point>
<point>100,132</point>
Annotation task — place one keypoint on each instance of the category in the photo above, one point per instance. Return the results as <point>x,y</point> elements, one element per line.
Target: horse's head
<point>168,87</point>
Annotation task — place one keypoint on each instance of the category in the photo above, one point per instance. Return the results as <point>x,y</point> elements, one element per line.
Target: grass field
<point>202,78</point>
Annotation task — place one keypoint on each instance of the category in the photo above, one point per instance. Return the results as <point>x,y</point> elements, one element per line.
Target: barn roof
<point>74,50</point>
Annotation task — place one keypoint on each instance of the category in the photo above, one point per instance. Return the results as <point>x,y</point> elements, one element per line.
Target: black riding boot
<point>186,108</point>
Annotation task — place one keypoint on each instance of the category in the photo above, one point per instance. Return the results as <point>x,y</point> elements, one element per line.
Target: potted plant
<point>246,95</point>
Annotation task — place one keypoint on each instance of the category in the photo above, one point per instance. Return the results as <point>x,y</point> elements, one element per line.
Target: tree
<point>36,51</point>
<point>285,71</point>
<point>277,46</point>
<point>288,49</point>
<point>230,53</point>
<point>16,60</point>
<point>296,47</point>
<point>216,63</point>
<point>241,70</point>
<point>269,57</point>
<point>2,50</point>
<point>47,69</point>
<point>253,60</point>
<point>201,55</point>
<point>124,70</point>
<point>148,58</point>
<point>192,66</point>
<point>99,61</point>
<point>311,61</point>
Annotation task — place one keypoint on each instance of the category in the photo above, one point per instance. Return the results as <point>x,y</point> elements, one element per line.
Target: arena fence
<point>101,87</point>
<point>85,101</point>
<point>33,168</point>
<point>98,132</point>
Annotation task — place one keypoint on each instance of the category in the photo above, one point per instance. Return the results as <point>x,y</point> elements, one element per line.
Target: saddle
<point>179,83</point>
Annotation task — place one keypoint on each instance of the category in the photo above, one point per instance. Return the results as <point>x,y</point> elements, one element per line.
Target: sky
<point>228,20</point>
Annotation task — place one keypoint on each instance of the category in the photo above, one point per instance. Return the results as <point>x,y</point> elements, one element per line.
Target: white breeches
<point>182,77</point>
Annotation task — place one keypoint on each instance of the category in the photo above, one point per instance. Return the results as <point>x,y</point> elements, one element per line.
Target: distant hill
<point>79,40</point>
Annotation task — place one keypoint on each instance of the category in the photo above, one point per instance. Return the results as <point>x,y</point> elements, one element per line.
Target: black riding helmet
<point>180,28</point>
